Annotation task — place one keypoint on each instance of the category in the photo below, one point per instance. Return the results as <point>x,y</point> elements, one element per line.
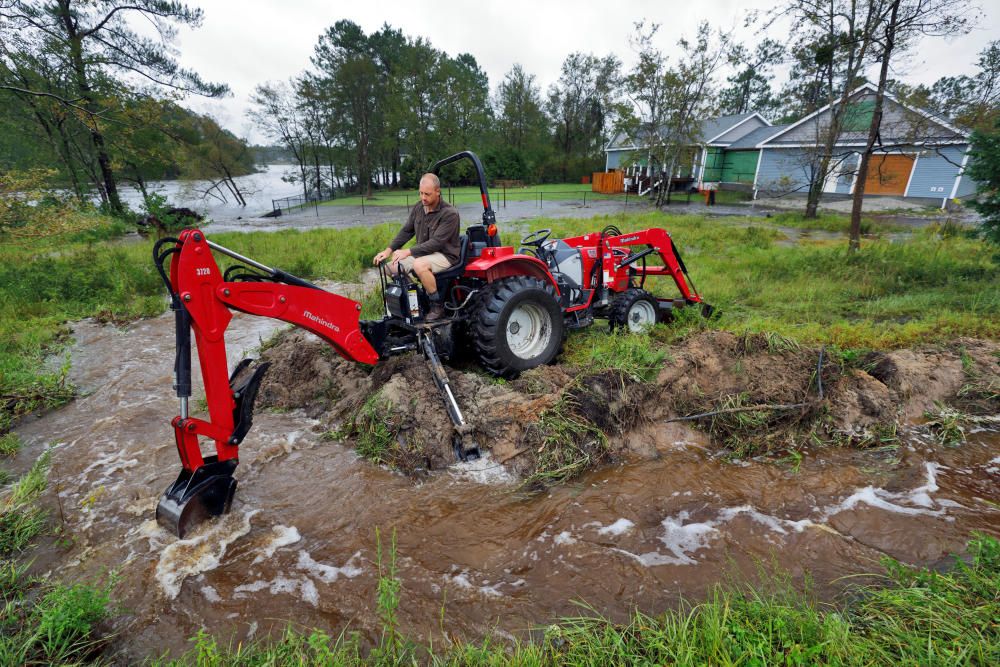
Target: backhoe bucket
<point>197,496</point>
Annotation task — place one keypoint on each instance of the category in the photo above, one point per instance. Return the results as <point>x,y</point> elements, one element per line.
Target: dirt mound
<point>752,394</point>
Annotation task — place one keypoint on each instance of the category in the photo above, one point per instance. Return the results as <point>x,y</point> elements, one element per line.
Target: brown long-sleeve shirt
<point>436,231</point>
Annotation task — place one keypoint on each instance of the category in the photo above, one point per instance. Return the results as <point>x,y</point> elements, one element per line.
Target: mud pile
<point>752,395</point>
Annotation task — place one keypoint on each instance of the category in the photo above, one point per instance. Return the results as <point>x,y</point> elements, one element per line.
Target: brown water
<point>300,542</point>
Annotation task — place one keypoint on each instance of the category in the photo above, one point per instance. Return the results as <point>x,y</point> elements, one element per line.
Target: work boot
<point>437,308</point>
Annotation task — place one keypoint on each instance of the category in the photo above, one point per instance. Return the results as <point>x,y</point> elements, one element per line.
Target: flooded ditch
<point>667,516</point>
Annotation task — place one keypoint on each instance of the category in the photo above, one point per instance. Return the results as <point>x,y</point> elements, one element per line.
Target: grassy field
<point>470,195</point>
<point>933,286</point>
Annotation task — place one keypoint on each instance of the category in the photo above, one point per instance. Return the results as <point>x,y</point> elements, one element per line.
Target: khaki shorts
<point>438,262</point>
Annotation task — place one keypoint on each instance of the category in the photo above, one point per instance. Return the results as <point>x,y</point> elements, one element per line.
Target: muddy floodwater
<point>299,545</point>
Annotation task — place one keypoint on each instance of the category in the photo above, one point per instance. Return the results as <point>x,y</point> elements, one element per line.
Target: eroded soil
<point>759,394</point>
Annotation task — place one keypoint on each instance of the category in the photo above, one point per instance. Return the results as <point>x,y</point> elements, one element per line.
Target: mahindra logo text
<point>319,320</point>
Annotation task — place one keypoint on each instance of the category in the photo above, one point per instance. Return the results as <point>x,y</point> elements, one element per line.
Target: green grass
<point>468,194</point>
<point>638,356</point>
<point>58,280</point>
<point>889,295</point>
<point>21,518</point>
<point>42,622</point>
<point>10,444</point>
<point>913,617</point>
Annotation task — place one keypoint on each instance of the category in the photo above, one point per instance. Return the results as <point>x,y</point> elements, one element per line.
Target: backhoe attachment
<point>202,300</point>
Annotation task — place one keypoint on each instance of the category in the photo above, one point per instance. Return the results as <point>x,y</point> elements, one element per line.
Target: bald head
<point>430,192</point>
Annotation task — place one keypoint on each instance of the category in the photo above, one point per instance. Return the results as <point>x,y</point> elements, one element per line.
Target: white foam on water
<point>327,573</point>
<point>303,588</point>
<point>491,591</point>
<point>281,536</point>
<point>564,538</point>
<point>776,524</point>
<point>200,553</point>
<point>915,502</point>
<point>619,527</point>
<point>462,581</point>
<point>252,587</point>
<point>309,592</point>
<point>683,539</point>
<point>210,594</point>
<point>484,470</point>
<point>654,558</point>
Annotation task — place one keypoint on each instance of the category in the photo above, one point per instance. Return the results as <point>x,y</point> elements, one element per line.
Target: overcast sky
<point>247,42</point>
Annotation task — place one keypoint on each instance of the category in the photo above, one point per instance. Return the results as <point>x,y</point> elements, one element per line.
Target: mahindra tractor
<point>509,308</point>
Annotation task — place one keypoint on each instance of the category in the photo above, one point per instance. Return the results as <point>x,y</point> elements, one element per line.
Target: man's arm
<point>444,235</point>
<point>405,234</point>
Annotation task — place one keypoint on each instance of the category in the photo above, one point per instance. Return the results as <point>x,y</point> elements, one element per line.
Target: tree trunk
<point>86,94</point>
<point>233,187</point>
<point>854,241</point>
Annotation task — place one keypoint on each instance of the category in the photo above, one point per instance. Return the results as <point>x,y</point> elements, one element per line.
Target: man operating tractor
<point>435,224</point>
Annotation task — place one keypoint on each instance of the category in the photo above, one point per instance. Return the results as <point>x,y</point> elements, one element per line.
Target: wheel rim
<point>641,316</point>
<point>528,331</point>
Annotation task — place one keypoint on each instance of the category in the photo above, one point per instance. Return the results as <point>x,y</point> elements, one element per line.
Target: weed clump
<point>42,623</point>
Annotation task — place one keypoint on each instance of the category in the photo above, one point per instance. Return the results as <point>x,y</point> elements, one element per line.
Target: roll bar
<point>489,217</point>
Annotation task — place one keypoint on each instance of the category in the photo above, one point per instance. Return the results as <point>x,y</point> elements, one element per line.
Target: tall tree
<point>522,126</point>
<point>671,102</point>
<point>972,101</point>
<point>835,42</point>
<point>277,112</point>
<point>902,22</point>
<point>984,169</point>
<point>354,86</point>
<point>581,105</point>
<point>94,41</point>
<point>749,86</point>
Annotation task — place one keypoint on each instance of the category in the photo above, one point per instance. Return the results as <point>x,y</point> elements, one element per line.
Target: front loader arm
<point>202,299</point>
<point>658,242</point>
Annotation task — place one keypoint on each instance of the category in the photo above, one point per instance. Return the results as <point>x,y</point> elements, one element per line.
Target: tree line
<point>81,90</point>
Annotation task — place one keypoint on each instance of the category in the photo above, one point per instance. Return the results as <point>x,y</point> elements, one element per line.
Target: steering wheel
<point>537,238</point>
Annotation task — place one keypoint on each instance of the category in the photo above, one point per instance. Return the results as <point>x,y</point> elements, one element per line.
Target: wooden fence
<point>608,183</point>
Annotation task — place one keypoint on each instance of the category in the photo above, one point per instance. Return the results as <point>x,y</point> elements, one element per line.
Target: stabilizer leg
<point>465,448</point>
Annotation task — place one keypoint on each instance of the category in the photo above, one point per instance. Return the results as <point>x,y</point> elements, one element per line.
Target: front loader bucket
<point>197,496</point>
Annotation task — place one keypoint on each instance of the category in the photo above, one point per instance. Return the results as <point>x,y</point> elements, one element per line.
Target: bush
<point>984,168</point>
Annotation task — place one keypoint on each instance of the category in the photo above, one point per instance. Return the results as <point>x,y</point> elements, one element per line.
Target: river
<point>258,190</point>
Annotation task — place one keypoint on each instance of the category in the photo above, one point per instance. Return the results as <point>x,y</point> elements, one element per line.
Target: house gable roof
<point>789,134</point>
<point>761,134</point>
<point>710,129</point>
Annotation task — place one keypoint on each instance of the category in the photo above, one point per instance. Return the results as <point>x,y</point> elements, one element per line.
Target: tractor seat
<point>456,269</point>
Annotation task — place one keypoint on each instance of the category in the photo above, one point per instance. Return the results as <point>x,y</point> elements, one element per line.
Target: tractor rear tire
<point>634,309</point>
<point>519,325</point>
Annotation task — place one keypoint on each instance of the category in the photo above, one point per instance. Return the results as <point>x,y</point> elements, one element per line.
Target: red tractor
<point>510,308</point>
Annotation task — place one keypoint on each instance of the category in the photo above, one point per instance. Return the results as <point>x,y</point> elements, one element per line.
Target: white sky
<point>247,42</point>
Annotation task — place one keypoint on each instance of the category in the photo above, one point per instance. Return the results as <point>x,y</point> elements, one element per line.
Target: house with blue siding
<point>708,155</point>
<point>919,156</point>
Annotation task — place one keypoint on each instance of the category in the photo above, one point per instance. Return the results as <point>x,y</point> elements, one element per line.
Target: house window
<point>858,116</point>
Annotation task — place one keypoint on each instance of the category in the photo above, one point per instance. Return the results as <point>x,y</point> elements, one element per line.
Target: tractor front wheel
<point>634,308</point>
<point>519,325</point>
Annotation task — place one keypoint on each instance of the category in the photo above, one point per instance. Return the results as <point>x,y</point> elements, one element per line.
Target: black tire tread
<point>624,301</point>
<point>486,322</point>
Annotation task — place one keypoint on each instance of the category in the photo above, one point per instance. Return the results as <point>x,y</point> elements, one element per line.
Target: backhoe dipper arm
<point>659,243</point>
<point>202,300</point>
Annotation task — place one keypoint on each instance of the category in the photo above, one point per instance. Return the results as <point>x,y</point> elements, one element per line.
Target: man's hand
<point>400,254</point>
<point>382,256</point>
